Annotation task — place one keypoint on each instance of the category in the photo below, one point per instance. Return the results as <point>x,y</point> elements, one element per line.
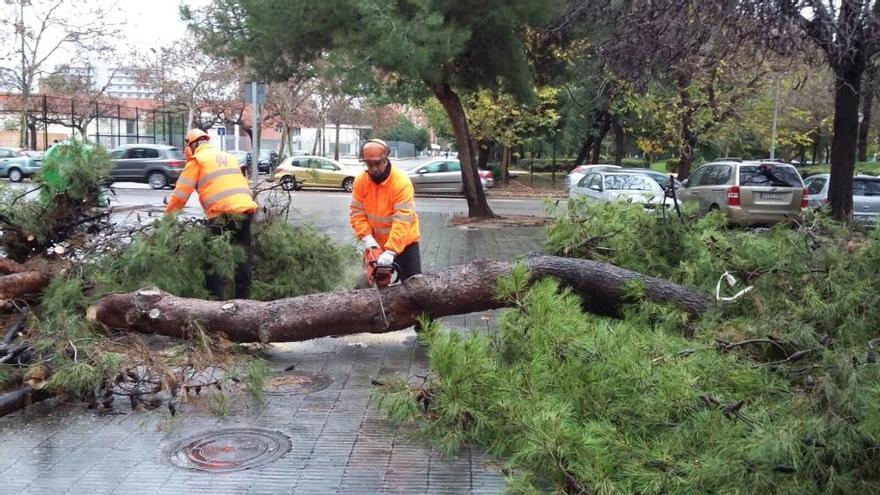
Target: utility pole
<point>775,118</point>
<point>25,87</point>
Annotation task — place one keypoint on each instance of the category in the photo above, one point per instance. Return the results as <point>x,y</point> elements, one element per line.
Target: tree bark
<point>604,127</point>
<point>867,104</point>
<point>8,266</point>
<point>817,145</point>
<point>585,150</point>
<point>21,397</point>
<point>473,189</point>
<point>505,165</point>
<point>455,290</point>
<point>483,155</point>
<point>619,142</point>
<point>843,144</point>
<point>23,283</point>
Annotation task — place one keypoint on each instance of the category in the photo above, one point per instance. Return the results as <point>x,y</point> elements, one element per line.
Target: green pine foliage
<point>776,392</point>
<point>170,255</point>
<point>70,184</point>
<point>293,261</point>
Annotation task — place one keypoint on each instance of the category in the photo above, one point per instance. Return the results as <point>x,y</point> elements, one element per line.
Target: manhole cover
<point>230,450</point>
<point>297,383</point>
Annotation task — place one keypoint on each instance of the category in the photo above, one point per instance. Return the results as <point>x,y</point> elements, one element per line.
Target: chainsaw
<point>378,277</point>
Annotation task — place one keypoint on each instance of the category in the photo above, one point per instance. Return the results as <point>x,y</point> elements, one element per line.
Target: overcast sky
<point>154,23</point>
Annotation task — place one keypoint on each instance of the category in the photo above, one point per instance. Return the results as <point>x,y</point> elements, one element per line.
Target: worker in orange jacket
<point>227,202</point>
<point>383,213</point>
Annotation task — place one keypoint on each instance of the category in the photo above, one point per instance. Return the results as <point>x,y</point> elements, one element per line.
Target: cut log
<point>21,398</point>
<point>20,284</point>
<point>8,266</point>
<point>456,290</point>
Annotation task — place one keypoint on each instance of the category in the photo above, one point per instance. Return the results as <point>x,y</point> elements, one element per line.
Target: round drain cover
<point>297,383</point>
<point>229,450</point>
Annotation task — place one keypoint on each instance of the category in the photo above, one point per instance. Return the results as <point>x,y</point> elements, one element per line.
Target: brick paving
<point>341,443</point>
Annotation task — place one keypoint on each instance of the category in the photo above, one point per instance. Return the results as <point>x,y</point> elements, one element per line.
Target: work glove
<point>369,242</point>
<point>386,259</point>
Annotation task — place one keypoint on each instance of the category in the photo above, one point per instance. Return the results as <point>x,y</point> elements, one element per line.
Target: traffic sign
<point>221,131</point>
<point>248,92</point>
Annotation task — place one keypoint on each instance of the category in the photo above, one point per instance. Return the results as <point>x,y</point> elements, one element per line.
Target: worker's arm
<point>357,213</point>
<point>403,217</point>
<point>186,184</point>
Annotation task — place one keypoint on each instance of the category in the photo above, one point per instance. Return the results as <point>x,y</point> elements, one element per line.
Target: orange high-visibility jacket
<point>386,211</point>
<point>217,177</point>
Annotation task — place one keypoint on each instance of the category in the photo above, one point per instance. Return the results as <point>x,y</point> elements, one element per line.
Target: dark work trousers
<point>240,226</point>
<point>409,262</point>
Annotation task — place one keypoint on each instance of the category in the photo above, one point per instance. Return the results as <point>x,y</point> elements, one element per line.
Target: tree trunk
<point>619,142</point>
<point>585,150</point>
<point>455,290</point>
<point>336,149</point>
<point>21,397</point>
<point>688,143</point>
<point>283,143</point>
<point>505,165</point>
<point>484,149</point>
<point>317,140</point>
<point>817,145</point>
<point>843,144</point>
<point>473,189</point>
<point>604,127</point>
<point>22,283</point>
<point>865,126</point>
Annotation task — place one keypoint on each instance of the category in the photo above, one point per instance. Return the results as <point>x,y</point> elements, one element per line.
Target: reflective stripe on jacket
<point>217,178</point>
<point>386,211</point>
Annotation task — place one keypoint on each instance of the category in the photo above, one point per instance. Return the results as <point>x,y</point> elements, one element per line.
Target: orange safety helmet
<point>194,135</point>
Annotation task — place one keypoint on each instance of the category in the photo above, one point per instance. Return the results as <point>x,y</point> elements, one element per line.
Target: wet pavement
<point>339,441</point>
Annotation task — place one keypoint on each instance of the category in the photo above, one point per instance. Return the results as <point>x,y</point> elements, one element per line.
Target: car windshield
<point>265,154</point>
<point>628,183</point>
<point>767,174</point>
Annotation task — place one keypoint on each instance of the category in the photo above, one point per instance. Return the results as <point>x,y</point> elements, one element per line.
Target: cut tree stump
<point>456,290</point>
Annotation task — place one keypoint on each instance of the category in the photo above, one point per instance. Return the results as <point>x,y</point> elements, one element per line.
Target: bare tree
<point>709,53</point>
<point>285,104</point>
<point>42,30</point>
<point>848,33</point>
<point>184,76</point>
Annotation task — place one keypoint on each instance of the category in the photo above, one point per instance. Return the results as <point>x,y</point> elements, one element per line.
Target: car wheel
<point>288,183</point>
<point>15,175</point>
<point>157,180</point>
<point>348,184</point>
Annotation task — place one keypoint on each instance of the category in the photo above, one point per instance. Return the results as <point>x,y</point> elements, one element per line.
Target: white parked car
<point>575,176</point>
<point>608,186</point>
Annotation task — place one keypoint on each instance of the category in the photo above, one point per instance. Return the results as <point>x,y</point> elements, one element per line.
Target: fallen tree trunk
<point>8,266</point>
<point>20,398</point>
<point>455,290</point>
<point>23,283</point>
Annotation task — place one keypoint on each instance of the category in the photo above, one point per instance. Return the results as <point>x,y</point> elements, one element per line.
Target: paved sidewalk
<point>340,443</point>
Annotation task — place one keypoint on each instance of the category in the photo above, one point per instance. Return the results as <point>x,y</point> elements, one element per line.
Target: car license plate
<point>767,195</point>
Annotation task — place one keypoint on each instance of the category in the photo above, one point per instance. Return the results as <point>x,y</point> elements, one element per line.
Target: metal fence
<point>106,121</point>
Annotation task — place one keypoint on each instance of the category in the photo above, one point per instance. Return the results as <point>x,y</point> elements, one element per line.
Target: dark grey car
<point>158,165</point>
